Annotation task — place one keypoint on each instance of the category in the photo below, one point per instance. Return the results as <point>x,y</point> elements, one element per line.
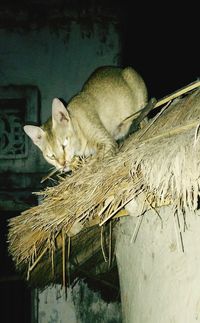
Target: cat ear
<point>60,115</point>
<point>35,133</point>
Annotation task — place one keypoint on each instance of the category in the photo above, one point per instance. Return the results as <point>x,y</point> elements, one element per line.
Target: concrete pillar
<point>159,282</point>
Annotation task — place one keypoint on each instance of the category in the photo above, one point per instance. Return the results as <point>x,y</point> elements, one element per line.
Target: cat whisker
<point>49,175</point>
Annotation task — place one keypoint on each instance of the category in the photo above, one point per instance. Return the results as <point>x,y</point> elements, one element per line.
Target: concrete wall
<point>79,305</point>
<point>53,306</point>
<point>159,282</point>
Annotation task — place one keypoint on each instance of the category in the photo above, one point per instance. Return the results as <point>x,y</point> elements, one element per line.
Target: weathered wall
<point>52,305</point>
<point>91,308</point>
<point>80,306</point>
<point>159,282</point>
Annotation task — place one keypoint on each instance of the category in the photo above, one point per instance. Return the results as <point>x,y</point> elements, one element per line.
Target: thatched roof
<point>161,161</point>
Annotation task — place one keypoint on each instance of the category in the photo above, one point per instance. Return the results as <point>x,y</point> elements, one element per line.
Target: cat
<point>94,119</point>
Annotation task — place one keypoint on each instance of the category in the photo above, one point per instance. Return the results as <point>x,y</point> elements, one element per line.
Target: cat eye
<point>52,157</point>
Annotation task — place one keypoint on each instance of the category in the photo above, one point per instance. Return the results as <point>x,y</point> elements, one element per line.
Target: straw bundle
<point>161,160</point>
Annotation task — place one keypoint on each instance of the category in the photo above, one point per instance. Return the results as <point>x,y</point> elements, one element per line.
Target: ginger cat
<point>93,120</point>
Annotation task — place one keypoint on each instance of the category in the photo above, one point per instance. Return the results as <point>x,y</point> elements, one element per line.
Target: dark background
<point>162,42</point>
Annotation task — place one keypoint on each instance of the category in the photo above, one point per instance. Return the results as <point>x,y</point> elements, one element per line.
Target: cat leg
<point>98,137</point>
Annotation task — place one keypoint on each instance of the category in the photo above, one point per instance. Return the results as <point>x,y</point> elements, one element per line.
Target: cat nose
<point>61,162</point>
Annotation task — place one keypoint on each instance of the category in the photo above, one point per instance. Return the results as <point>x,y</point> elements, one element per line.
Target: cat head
<point>54,136</point>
